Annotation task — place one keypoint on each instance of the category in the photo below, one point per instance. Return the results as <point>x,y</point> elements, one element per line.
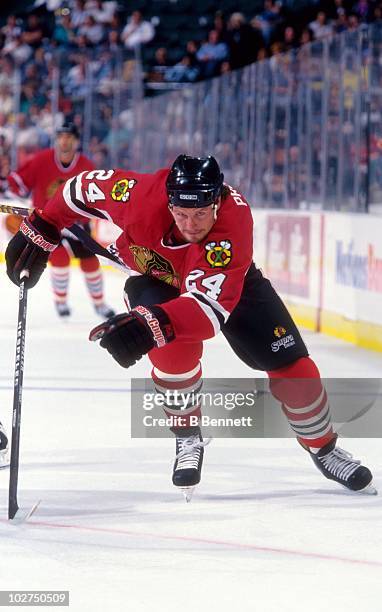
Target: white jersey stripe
<point>213,303</point>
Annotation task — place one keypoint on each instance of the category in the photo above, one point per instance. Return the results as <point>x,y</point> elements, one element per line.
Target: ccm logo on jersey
<point>153,324</point>
<point>219,255</point>
<point>188,196</point>
<point>120,191</point>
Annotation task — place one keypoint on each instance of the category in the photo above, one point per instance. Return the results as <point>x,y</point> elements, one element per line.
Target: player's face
<point>194,223</point>
<point>66,144</point>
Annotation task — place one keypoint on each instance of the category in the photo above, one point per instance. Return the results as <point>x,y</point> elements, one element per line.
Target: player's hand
<point>30,248</point>
<point>127,337</point>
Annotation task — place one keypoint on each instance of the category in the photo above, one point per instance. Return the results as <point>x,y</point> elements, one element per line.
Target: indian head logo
<point>150,262</point>
<point>52,187</point>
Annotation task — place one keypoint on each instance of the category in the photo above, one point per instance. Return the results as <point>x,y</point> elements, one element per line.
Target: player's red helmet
<point>194,182</point>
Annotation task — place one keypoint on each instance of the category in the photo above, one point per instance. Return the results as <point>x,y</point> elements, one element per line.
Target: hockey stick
<point>13,506</point>
<point>77,231</point>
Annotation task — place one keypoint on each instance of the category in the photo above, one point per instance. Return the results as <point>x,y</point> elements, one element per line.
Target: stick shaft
<point>17,398</point>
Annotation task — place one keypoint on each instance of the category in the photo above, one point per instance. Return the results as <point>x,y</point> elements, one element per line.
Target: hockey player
<point>42,176</point>
<point>189,235</point>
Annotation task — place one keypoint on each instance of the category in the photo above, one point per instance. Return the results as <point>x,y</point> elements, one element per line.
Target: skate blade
<point>369,490</point>
<point>187,493</point>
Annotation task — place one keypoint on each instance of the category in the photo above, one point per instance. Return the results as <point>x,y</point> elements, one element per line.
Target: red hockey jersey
<point>209,274</point>
<point>43,174</point>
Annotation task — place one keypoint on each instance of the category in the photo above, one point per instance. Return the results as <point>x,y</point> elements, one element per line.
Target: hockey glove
<point>127,337</point>
<point>30,248</point>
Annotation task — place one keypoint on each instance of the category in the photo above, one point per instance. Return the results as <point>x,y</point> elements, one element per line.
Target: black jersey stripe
<point>218,314</point>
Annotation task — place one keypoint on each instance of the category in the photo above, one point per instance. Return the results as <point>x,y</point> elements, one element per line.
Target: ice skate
<point>4,448</point>
<point>63,310</point>
<point>338,465</point>
<point>104,311</point>
<point>188,462</point>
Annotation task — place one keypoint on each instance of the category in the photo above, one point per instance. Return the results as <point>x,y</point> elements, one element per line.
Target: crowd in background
<point>81,33</point>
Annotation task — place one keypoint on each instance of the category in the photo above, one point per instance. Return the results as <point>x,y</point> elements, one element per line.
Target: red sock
<point>304,401</point>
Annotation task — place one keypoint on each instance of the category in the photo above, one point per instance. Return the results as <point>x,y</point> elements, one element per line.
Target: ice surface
<point>264,530</point>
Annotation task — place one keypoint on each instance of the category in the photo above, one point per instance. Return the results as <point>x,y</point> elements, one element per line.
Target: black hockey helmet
<point>194,182</point>
<point>68,128</point>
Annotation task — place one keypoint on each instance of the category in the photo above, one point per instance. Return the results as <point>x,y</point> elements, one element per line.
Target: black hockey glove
<point>30,248</point>
<point>129,336</point>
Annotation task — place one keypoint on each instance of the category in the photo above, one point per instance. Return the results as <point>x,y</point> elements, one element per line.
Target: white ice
<point>265,531</point>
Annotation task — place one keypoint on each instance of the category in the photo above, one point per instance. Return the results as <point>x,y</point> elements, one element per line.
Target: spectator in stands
<point>103,12</point>
<point>353,22</point>
<point>225,67</point>
<point>137,31</point>
<point>364,10</point>
<point>6,99</point>
<point>289,41</point>
<point>93,31</point>
<point>34,31</point>
<point>320,27</point>
<point>244,43</point>
<point>63,32</point>
<point>75,84</point>
<point>220,26</point>
<point>306,36</point>
<point>27,135</point>
<point>184,71</point>
<point>157,72</point>
<point>341,23</point>
<point>335,9</point>
<point>211,54</point>
<point>262,54</point>
<point>114,41</point>
<point>192,48</point>
<point>269,19</point>
<point>78,14</point>
<point>7,66</point>
<point>11,30</point>
<point>18,50</point>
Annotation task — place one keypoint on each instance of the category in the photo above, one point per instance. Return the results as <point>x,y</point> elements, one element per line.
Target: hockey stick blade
<point>21,516</point>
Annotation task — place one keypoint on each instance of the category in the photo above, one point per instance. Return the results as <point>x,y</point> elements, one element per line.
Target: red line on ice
<point>238,545</point>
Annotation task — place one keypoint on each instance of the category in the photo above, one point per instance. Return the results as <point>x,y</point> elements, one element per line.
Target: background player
<point>191,238</point>
<point>42,176</point>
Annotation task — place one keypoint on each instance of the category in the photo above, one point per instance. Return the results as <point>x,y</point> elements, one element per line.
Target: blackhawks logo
<point>279,331</point>
<point>121,190</point>
<point>150,262</point>
<point>219,254</point>
<point>52,187</point>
